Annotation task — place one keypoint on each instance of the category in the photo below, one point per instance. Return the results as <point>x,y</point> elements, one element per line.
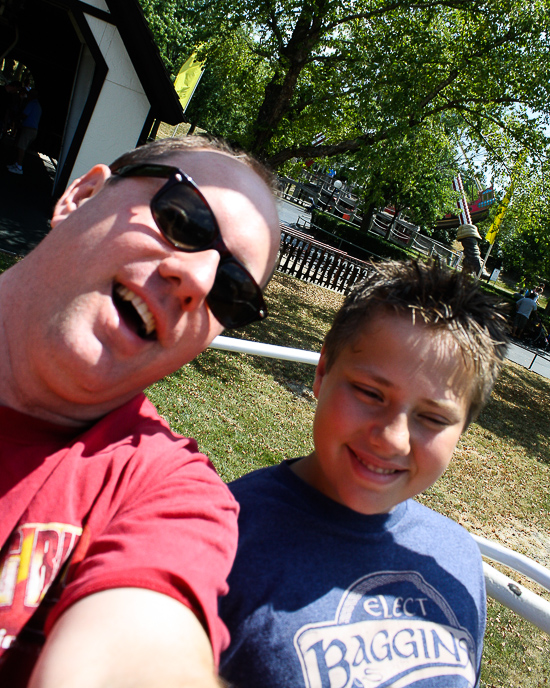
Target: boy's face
<point>390,412</point>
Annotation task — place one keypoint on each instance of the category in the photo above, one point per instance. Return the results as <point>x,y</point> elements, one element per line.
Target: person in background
<point>524,307</point>
<point>9,105</point>
<point>30,119</point>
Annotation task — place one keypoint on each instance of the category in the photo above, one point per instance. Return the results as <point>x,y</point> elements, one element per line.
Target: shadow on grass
<point>294,321</point>
<point>518,411</point>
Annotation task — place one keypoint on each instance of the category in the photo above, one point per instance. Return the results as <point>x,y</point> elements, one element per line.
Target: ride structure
<point>467,232</point>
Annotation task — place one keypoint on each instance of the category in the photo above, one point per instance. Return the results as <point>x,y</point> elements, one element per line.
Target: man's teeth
<point>140,306</point>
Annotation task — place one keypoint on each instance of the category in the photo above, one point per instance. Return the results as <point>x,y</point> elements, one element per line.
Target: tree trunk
<point>367,217</point>
<point>397,213</point>
<point>276,102</point>
<point>293,58</point>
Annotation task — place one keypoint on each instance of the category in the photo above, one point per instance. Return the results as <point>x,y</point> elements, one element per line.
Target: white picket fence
<point>511,594</point>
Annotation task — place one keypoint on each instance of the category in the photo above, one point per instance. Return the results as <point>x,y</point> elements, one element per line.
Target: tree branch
<point>453,74</point>
<point>312,152</point>
<point>390,7</point>
<point>456,105</point>
<point>273,25</point>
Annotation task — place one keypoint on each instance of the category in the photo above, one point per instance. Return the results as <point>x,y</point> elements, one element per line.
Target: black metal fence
<point>312,261</point>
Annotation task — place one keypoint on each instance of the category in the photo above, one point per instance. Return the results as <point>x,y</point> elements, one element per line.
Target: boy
<point>341,579</point>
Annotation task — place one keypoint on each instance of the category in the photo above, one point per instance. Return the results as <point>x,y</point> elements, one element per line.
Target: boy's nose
<point>391,436</point>
<point>191,275</point>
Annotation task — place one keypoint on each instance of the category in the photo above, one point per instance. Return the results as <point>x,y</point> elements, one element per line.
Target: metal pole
<point>284,353</point>
<point>483,264</point>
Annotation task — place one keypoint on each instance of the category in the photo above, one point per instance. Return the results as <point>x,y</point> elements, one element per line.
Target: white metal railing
<point>243,346</point>
<point>509,593</point>
<point>516,597</point>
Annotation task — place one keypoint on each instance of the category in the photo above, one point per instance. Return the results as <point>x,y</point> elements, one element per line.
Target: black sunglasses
<point>185,219</point>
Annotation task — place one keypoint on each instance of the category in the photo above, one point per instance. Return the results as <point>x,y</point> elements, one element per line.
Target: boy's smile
<point>390,412</point>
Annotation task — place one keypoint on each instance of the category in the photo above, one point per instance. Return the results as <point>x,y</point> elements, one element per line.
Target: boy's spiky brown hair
<point>444,300</point>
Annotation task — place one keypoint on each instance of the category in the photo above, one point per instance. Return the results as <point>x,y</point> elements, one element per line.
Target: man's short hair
<point>443,300</point>
<point>159,150</point>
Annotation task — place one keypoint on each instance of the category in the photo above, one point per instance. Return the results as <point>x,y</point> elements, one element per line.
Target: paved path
<point>290,212</point>
<point>534,359</point>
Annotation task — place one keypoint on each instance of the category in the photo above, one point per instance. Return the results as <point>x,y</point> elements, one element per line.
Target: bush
<point>347,237</point>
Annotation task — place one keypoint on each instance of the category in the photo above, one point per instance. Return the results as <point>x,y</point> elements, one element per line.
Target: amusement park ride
<point>467,232</point>
<point>325,192</point>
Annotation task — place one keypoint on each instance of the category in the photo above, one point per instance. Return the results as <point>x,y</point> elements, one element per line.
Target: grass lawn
<point>247,412</point>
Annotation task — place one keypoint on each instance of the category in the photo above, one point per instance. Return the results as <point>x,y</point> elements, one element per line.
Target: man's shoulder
<point>136,416</point>
<point>136,433</point>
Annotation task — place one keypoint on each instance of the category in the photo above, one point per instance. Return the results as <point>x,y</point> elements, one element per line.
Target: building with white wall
<point>99,75</point>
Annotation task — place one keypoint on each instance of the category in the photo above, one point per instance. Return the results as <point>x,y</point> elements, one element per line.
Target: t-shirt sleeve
<point>165,522</point>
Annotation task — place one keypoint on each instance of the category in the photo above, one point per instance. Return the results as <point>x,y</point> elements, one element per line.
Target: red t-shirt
<point>124,504</point>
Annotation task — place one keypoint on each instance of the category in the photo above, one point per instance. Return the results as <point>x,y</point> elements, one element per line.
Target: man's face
<point>105,275</point>
<point>390,411</point>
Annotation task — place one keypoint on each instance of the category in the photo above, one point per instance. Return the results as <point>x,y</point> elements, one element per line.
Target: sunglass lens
<point>235,299</point>
<point>184,219</point>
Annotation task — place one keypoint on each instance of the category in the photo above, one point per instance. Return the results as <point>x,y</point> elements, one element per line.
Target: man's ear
<point>79,192</point>
<point>320,373</point>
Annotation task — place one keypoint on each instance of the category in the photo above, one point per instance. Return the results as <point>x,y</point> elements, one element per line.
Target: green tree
<point>524,237</point>
<point>173,35</point>
<point>230,91</point>
<point>393,85</point>
<point>369,70</point>
<point>413,173</point>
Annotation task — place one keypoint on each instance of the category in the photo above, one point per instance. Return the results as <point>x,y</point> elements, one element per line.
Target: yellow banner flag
<point>187,79</point>
<point>493,229</point>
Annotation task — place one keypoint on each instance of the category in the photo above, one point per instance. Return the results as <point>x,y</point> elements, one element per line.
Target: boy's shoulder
<point>271,486</point>
<point>250,481</point>
<point>430,532</point>
<point>425,514</point>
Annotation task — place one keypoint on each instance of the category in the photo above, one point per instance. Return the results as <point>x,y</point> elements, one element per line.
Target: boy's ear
<point>79,192</point>
<point>320,373</point>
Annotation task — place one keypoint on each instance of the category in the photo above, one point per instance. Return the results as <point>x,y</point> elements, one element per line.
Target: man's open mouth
<point>134,311</point>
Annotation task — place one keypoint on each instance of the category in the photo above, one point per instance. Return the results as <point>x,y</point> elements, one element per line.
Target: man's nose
<point>191,275</point>
<point>390,435</point>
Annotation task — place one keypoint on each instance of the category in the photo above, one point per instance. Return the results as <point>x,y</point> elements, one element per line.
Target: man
<point>9,105</point>
<point>524,307</point>
<point>30,119</point>
<point>116,535</point>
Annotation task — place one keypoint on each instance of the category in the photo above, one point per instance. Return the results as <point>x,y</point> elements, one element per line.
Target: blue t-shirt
<point>324,597</point>
<point>31,114</point>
